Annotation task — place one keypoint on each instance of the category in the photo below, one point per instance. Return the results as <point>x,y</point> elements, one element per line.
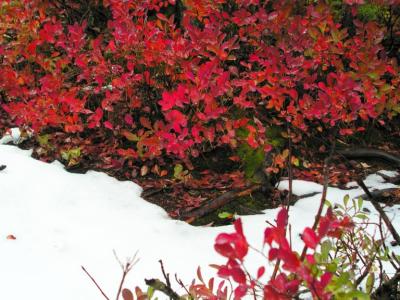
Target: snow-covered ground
<point>63,221</point>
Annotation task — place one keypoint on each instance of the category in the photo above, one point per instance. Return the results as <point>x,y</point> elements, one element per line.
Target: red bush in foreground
<point>295,269</point>
<point>339,260</point>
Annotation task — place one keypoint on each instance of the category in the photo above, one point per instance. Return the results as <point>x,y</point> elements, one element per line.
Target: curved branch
<point>218,202</point>
<point>370,153</point>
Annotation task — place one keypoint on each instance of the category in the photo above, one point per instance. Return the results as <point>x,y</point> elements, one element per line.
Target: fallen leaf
<point>11,237</point>
<point>144,170</point>
<point>365,165</point>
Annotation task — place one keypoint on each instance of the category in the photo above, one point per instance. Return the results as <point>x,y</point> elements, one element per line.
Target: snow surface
<point>63,221</point>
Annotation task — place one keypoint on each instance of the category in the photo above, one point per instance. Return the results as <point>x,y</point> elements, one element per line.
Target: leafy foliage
<point>176,78</point>
<point>341,258</point>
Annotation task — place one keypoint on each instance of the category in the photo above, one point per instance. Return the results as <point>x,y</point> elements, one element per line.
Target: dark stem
<point>166,276</point>
<point>380,210</point>
<point>96,284</point>
<point>289,197</point>
<point>323,197</point>
<point>160,286</point>
<point>126,270</point>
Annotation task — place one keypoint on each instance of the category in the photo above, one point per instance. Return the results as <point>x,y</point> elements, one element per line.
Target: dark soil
<point>171,196</point>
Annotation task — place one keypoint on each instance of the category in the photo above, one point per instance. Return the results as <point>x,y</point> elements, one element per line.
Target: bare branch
<point>96,284</point>
<point>126,268</point>
<point>323,197</point>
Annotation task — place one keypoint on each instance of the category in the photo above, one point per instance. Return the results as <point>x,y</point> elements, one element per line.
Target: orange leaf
<point>145,122</point>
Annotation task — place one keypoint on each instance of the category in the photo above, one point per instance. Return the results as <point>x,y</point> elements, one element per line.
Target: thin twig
<point>366,271</point>
<point>126,268</point>
<point>289,197</point>
<point>94,281</point>
<point>180,282</point>
<point>166,275</point>
<point>323,197</point>
<point>380,210</point>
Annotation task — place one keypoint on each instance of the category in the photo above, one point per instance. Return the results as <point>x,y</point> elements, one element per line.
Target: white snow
<point>15,136</point>
<point>63,221</point>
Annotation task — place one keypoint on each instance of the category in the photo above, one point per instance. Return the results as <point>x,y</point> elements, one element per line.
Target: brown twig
<point>380,210</point>
<point>323,196</point>
<point>180,282</point>
<point>366,271</point>
<point>289,197</point>
<point>166,275</point>
<point>126,268</point>
<point>96,284</point>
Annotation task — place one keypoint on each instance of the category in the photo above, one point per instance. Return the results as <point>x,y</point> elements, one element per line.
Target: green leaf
<point>130,136</point>
<point>178,169</point>
<point>43,140</point>
<point>332,267</point>
<point>296,162</point>
<point>335,35</point>
<point>326,246</point>
<point>70,154</point>
<point>373,75</point>
<point>361,216</point>
<point>150,292</point>
<point>359,295</point>
<point>369,285</point>
<point>64,155</point>
<point>75,153</point>
<point>225,215</point>
<point>346,200</point>
<point>242,132</point>
<point>252,159</point>
<point>360,202</point>
<point>396,108</point>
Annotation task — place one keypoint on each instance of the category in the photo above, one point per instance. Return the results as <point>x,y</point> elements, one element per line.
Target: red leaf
<point>291,262</point>
<point>177,120</point>
<point>273,254</point>
<point>176,98</point>
<point>240,291</point>
<point>238,275</point>
<point>260,272</point>
<point>310,238</point>
<point>238,227</point>
<point>282,218</point>
<point>94,119</point>
<point>108,125</point>
<point>326,279</point>
<point>128,119</point>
